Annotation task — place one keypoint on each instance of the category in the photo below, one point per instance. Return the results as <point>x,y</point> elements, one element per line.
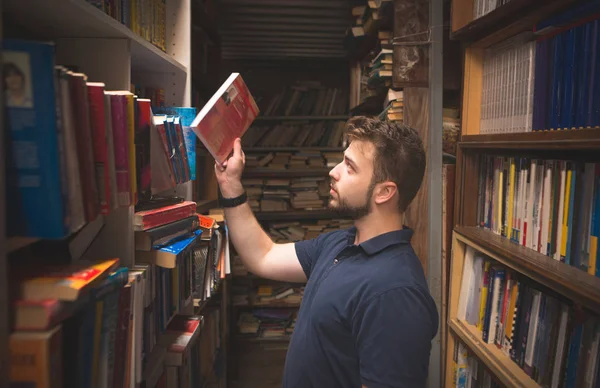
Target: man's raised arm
<point>258,252</point>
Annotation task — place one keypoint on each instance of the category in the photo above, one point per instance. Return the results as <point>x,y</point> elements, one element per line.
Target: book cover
<point>142,149</point>
<point>147,219</point>
<point>98,125</point>
<point>225,117</point>
<point>33,160</point>
<point>36,358</point>
<point>166,256</point>
<point>65,282</point>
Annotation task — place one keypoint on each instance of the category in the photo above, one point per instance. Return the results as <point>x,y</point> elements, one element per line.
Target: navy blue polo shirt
<point>366,317</point>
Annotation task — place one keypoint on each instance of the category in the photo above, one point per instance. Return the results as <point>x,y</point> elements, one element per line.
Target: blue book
<point>35,189</point>
<point>187,115</point>
<point>167,256</point>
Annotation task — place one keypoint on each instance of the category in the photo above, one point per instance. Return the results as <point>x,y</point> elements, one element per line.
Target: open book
<point>226,116</point>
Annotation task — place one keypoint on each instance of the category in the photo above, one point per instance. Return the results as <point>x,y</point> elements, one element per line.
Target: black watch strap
<point>233,202</point>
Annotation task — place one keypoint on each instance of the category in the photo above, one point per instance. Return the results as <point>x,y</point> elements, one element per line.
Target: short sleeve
<point>393,333</point>
<point>308,253</point>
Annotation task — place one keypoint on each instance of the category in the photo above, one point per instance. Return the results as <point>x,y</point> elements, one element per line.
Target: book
<point>225,117</point>
<point>166,256</point>
<point>35,192</point>
<point>66,282</point>
<point>148,219</point>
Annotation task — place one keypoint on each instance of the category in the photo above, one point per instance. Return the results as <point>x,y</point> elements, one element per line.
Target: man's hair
<point>399,154</point>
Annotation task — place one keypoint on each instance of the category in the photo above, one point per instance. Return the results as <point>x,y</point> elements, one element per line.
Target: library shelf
<point>501,23</point>
<point>323,214</point>
<point>505,369</point>
<point>273,340</point>
<point>300,118</point>
<point>80,19</point>
<point>574,139</point>
<point>293,149</point>
<point>290,173</point>
<point>572,282</point>
<point>281,305</point>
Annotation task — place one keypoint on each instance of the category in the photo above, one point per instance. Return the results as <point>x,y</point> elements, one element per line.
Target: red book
<point>148,219</point>
<point>181,332</point>
<point>142,148</point>
<point>225,117</point>
<point>98,125</point>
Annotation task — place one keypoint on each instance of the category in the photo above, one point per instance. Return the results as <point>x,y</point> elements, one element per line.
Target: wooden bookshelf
<point>300,118</point>
<point>499,363</point>
<point>565,281</point>
<point>290,173</point>
<point>568,280</point>
<point>500,23</point>
<point>293,149</point>
<point>80,19</point>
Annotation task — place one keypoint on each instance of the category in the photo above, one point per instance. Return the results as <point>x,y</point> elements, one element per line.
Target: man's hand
<point>229,175</point>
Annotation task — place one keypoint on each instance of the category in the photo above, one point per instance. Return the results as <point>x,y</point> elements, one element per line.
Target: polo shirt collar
<point>383,241</point>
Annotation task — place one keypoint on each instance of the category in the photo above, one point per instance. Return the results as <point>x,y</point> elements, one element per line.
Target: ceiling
<point>283,29</point>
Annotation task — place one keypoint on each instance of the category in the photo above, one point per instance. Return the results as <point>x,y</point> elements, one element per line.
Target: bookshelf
<point>537,264</point>
<point>88,40</point>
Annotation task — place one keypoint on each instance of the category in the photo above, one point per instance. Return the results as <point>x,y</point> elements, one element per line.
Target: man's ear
<point>385,191</point>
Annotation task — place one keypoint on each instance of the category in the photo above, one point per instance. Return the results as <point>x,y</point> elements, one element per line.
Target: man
<point>367,317</point>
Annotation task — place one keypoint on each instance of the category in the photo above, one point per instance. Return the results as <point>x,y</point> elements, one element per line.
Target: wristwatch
<point>233,202</point>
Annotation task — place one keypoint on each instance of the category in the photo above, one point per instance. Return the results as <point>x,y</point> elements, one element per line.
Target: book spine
<point>97,121</point>
<point>119,125</point>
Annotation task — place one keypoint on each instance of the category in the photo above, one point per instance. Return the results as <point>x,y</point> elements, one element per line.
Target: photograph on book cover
<point>17,79</point>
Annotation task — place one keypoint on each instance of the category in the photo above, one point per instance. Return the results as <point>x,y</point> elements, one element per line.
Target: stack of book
<point>309,193</point>
<point>266,324</point>
<point>393,106</point>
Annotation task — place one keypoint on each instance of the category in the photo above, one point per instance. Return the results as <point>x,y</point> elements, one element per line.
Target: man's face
<point>351,181</point>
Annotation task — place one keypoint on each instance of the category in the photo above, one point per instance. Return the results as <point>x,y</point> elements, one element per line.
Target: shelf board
<point>575,284</point>
<point>577,139</point>
<point>291,173</point>
<point>80,19</point>
<point>300,118</point>
<point>505,369</point>
<point>293,149</point>
<point>501,23</point>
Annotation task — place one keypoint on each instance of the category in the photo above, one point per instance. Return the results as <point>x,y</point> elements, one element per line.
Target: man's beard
<point>353,211</point>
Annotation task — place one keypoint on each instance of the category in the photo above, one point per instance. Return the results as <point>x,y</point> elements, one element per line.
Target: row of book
<point>469,371</point>
<point>147,18</point>
<point>267,324</point>
<point>483,7</point>
<point>306,98</point>
<point>125,325</point>
<point>550,83</point>
<point>77,150</point>
<point>549,206</point>
<point>282,194</point>
<point>290,160</point>
<point>552,340</point>
<point>327,133</point>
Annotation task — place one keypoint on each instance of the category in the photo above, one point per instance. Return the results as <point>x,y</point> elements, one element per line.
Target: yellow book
<point>593,255</point>
<point>36,358</point>
<point>514,291</point>
<point>511,197</point>
<point>565,227</point>
<point>484,291</point>
<point>500,198</point>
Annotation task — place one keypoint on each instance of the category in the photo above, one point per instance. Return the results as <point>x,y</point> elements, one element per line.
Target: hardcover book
<point>225,117</point>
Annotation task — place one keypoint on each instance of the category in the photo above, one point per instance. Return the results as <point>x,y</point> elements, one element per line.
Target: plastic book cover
<point>180,245</point>
<point>225,117</point>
